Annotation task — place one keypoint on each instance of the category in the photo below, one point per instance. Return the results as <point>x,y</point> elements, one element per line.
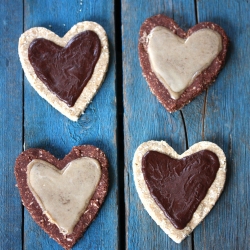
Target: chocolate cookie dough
<point>179,65</point>
<point>63,196</point>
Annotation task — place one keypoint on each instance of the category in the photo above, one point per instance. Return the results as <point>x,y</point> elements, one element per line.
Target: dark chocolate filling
<point>66,71</point>
<point>178,186</point>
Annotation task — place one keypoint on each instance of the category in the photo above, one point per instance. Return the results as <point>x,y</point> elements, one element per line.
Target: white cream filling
<point>64,195</point>
<point>176,61</point>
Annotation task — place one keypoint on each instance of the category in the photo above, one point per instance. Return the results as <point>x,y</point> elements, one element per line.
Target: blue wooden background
<point>124,114</point>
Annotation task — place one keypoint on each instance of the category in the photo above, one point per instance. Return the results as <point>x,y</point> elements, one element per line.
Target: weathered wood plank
<point>47,128</point>
<point>11,102</point>
<point>227,124</point>
<point>146,119</point>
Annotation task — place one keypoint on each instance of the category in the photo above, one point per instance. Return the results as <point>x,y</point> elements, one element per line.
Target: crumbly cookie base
<point>206,204</point>
<point>92,86</point>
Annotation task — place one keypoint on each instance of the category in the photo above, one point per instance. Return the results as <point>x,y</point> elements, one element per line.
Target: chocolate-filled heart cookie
<point>66,71</point>
<point>178,191</point>
<point>63,196</point>
<point>179,65</point>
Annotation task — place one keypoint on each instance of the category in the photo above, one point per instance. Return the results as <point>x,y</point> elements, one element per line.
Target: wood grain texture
<point>11,89</point>
<point>46,128</point>
<point>146,119</point>
<point>219,115</point>
<point>227,124</point>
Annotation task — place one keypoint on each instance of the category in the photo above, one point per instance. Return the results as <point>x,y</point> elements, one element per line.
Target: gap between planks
<point>23,148</point>
<point>120,134</point>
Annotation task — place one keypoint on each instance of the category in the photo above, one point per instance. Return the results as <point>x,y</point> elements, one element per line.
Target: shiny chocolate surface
<point>66,70</point>
<point>178,186</point>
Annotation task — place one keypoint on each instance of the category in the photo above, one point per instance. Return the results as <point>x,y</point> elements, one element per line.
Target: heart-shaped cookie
<point>179,65</point>
<point>63,196</point>
<point>178,191</point>
<point>67,71</point>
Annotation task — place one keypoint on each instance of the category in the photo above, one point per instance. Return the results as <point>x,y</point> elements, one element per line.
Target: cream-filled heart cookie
<point>66,71</point>
<point>178,191</point>
<point>63,196</point>
<point>177,65</point>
